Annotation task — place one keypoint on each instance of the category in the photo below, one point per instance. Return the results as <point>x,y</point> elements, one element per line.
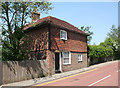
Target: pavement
<point>56,76</point>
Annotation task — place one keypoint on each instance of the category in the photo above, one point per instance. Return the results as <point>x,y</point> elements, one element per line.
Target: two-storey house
<point>61,44</point>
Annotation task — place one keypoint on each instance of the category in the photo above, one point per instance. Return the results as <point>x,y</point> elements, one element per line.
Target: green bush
<point>97,51</point>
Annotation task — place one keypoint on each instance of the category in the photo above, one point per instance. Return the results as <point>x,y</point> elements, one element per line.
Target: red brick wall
<point>38,37</point>
<point>51,62</point>
<point>38,42</point>
<point>75,42</point>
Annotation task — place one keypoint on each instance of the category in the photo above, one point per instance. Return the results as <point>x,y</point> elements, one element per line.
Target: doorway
<point>57,62</point>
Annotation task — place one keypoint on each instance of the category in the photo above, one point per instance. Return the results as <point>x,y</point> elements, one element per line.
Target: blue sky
<point>99,15</point>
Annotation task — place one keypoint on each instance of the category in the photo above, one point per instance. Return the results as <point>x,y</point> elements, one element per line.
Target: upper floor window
<point>63,35</point>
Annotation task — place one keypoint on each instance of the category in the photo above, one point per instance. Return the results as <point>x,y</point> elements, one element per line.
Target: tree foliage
<point>107,48</point>
<point>114,36</point>
<point>90,33</point>
<point>98,51</point>
<point>14,17</point>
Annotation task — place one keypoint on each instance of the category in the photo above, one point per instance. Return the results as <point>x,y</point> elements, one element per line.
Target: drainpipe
<point>49,48</point>
<point>49,36</point>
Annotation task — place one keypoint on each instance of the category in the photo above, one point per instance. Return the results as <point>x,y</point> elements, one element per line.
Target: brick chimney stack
<point>35,16</point>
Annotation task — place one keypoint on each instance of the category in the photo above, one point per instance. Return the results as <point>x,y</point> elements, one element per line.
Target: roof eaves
<point>69,29</point>
<point>36,25</point>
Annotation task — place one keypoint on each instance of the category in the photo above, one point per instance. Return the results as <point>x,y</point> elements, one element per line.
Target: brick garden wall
<point>100,60</point>
<point>14,71</point>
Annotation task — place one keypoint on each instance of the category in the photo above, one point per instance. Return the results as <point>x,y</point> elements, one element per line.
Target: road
<point>106,75</point>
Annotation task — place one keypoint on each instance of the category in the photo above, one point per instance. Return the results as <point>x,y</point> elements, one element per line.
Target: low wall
<point>14,71</point>
<point>0,72</point>
<point>99,60</point>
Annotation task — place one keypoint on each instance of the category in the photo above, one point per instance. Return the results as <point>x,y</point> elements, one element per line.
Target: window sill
<point>80,61</point>
<point>63,39</point>
<point>67,64</point>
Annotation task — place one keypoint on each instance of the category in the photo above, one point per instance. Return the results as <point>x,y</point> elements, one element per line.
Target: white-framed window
<point>63,35</point>
<point>79,57</point>
<point>66,58</point>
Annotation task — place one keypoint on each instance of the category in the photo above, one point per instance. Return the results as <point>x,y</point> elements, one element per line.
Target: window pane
<point>66,60</point>
<point>66,54</point>
<point>63,34</point>
<point>66,35</point>
<point>79,57</point>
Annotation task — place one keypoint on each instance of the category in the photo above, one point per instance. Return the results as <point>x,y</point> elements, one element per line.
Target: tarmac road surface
<point>103,76</point>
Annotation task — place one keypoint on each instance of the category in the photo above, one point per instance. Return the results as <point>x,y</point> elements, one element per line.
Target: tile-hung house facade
<point>61,44</point>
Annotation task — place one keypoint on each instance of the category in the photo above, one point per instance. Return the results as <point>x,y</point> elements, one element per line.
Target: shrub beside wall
<point>98,54</point>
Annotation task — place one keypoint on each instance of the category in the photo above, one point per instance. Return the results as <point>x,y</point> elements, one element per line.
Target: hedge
<point>97,51</point>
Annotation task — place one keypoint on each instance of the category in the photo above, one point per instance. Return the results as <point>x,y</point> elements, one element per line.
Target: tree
<point>107,43</point>
<point>14,17</point>
<point>87,30</point>
<point>114,36</point>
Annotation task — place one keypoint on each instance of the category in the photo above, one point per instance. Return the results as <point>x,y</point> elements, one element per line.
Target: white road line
<point>100,80</point>
<point>118,70</point>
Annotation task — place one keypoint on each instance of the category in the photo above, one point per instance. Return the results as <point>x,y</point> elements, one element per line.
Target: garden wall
<point>99,60</point>
<point>14,71</point>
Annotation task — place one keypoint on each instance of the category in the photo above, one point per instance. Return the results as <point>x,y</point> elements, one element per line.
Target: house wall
<point>51,62</point>
<point>38,36</point>
<point>75,64</point>
<point>38,42</point>
<point>75,42</point>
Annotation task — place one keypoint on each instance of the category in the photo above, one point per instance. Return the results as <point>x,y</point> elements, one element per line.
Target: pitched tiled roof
<point>57,22</point>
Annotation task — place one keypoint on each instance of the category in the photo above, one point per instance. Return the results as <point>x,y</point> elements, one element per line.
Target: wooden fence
<point>14,71</point>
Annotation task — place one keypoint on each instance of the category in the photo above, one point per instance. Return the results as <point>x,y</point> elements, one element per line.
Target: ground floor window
<point>66,58</point>
<point>79,57</point>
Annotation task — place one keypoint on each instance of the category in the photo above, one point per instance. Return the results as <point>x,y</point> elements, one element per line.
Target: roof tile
<point>55,21</point>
